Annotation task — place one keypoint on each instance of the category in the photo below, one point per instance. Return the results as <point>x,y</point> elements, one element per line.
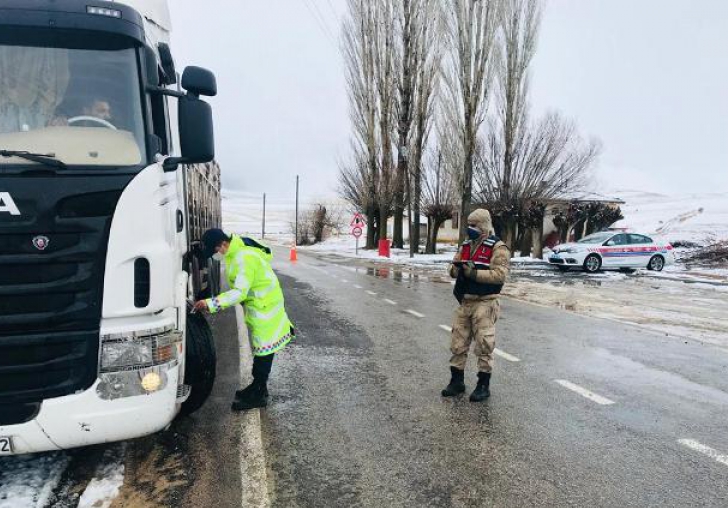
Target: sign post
<point>357,229</point>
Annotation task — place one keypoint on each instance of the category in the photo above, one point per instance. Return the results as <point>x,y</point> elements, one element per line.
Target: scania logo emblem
<point>41,242</point>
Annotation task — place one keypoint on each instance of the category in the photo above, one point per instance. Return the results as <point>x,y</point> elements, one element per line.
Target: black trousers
<point>262,366</point>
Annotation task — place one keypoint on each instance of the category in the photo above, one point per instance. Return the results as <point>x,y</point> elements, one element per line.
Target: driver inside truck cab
<point>94,107</point>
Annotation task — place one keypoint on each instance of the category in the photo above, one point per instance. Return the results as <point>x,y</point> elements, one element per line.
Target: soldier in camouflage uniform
<point>480,267</point>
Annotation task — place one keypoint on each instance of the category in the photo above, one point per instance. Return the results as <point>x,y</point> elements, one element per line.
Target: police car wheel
<point>656,264</point>
<point>592,263</point>
<point>200,363</point>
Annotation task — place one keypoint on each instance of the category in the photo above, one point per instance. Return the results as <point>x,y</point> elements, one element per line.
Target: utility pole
<point>263,236</point>
<point>295,240</point>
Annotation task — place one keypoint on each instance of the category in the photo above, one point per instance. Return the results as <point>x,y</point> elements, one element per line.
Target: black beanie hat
<point>212,239</point>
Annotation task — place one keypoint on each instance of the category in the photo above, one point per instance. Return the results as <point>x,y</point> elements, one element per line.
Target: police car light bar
<point>101,11</point>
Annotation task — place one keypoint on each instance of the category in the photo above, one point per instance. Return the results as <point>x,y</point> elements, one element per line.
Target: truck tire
<point>214,277</point>
<point>201,363</point>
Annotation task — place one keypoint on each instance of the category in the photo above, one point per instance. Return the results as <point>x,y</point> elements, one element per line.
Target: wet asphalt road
<point>356,418</point>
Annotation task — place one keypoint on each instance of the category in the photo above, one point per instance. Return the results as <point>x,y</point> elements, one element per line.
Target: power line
<point>320,21</point>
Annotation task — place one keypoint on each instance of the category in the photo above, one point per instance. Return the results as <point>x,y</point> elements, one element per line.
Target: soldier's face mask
<point>474,233</point>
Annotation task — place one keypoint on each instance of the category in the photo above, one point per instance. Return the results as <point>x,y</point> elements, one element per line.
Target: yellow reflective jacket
<point>254,284</point>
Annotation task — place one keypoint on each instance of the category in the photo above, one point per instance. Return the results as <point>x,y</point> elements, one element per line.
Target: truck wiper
<point>49,159</point>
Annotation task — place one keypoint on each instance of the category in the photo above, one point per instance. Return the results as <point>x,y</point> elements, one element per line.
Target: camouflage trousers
<point>475,321</point>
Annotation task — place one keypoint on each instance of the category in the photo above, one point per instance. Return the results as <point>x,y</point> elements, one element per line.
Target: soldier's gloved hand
<point>469,270</point>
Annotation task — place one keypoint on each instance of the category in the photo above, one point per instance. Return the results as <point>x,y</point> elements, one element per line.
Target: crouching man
<point>480,267</point>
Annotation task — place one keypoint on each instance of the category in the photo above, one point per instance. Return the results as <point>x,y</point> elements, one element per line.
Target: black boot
<point>457,383</point>
<point>245,392</point>
<point>262,366</point>
<point>482,391</point>
<point>252,397</point>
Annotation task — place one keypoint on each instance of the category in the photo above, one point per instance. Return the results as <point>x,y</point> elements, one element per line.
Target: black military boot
<point>457,383</point>
<point>252,397</point>
<point>482,391</point>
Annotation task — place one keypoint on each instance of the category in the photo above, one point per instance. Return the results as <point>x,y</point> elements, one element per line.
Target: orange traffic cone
<point>294,254</point>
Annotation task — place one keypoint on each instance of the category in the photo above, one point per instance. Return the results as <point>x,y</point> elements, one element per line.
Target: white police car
<point>612,249</point>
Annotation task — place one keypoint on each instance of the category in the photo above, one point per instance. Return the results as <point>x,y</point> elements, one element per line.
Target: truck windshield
<point>81,106</point>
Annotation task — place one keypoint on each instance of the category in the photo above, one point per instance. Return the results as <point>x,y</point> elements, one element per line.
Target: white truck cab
<point>103,201</point>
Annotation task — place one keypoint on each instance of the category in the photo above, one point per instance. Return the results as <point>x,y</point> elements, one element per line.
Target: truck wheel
<point>214,277</point>
<point>201,363</point>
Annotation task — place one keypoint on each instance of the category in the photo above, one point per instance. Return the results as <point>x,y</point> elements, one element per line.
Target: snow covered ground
<point>694,218</point>
<point>30,481</point>
<point>35,481</point>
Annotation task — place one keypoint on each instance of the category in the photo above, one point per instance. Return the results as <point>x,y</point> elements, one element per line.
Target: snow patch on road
<point>29,481</point>
<point>107,481</point>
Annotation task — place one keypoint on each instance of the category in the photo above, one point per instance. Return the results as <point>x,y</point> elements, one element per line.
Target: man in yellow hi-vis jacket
<point>254,285</point>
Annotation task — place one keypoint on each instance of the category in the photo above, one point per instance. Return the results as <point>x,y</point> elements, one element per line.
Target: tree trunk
<point>537,236</point>
<point>416,199</point>
<point>526,243</point>
<point>371,241</point>
<point>398,232</point>
<point>435,232</point>
<point>429,249</point>
<point>383,223</point>
<point>467,190</point>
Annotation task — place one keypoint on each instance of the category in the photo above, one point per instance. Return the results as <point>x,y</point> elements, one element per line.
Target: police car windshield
<point>596,238</point>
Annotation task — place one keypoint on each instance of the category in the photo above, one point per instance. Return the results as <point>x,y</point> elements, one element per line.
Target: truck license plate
<point>6,446</point>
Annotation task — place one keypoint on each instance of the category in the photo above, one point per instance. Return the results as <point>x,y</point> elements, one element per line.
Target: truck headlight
<point>136,363</point>
<point>118,385</point>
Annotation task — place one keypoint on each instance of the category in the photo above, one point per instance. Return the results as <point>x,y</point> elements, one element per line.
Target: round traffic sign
<point>357,232</point>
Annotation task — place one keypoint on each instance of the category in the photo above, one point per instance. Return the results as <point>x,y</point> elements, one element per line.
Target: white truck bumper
<point>85,419</point>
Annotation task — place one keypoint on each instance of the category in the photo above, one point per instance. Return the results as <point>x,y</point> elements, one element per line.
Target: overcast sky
<point>647,77</point>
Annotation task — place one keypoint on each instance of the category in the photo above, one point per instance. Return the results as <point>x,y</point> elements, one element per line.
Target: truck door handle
<point>180,221</point>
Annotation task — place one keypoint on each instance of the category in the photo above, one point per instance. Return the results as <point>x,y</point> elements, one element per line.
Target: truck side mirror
<point>199,81</point>
<point>197,140</point>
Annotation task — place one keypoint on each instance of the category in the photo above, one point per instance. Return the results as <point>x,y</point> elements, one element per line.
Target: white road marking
<point>390,302</point>
<point>344,281</point>
<point>506,356</point>
<point>497,351</point>
<point>357,286</point>
<point>371,293</point>
<point>585,393</point>
<point>414,313</point>
<point>705,450</point>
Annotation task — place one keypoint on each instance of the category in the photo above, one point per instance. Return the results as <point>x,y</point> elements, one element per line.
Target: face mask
<point>218,256</point>
<point>473,233</point>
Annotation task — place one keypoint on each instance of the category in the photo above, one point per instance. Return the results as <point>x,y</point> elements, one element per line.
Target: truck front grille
<point>52,265</point>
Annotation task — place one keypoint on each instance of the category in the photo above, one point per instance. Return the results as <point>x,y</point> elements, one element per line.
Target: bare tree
<point>438,198</point>
<point>429,51</point>
<point>416,23</point>
<point>385,75</point>
<point>471,30</point>
<point>354,182</point>
<point>359,46</point>
<point>550,160</point>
